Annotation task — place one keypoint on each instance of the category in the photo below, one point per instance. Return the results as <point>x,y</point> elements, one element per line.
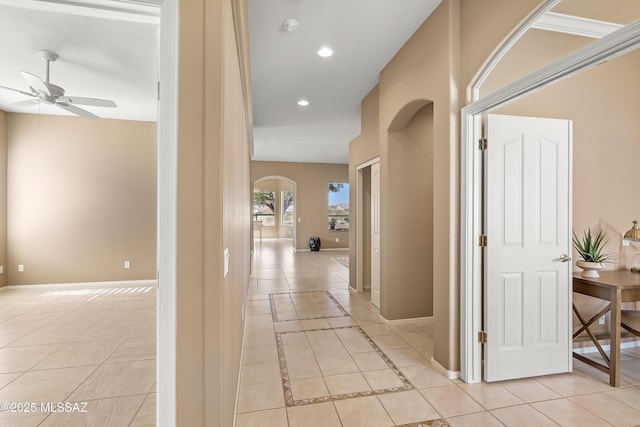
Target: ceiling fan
<point>48,93</point>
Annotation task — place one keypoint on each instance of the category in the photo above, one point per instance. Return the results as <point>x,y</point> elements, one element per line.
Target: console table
<point>616,287</point>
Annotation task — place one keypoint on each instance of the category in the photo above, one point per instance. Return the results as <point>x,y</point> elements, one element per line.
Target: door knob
<point>565,258</point>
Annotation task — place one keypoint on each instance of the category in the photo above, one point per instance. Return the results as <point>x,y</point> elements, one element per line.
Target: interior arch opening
<point>407,217</point>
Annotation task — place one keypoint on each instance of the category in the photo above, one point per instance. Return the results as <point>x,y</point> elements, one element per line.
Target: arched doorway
<point>273,209</point>
<point>407,252</point>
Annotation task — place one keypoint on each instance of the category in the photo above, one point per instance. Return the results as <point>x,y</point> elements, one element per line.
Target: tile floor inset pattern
<point>339,351</point>
<point>332,369</point>
<point>311,305</point>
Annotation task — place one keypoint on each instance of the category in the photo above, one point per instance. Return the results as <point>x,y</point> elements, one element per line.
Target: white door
<point>375,234</point>
<point>528,223</point>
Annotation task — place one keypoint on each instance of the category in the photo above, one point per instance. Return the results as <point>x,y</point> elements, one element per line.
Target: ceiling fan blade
<point>96,102</point>
<point>16,90</point>
<point>25,103</point>
<point>35,82</point>
<point>76,110</point>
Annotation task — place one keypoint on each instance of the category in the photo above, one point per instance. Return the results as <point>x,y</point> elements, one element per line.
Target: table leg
<point>614,373</point>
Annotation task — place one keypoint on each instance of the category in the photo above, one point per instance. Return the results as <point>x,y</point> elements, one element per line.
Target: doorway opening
<point>274,209</point>
<point>603,50</point>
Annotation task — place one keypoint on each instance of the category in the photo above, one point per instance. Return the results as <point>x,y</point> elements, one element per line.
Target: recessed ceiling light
<point>303,103</point>
<point>325,52</point>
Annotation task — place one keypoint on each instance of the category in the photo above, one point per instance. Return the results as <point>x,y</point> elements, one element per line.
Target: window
<point>287,208</point>
<point>339,206</point>
<point>264,207</point>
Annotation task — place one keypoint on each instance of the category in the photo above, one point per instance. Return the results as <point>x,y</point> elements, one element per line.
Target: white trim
<point>473,91</point>
<point>146,12</point>
<point>404,321</point>
<point>606,347</point>
<point>109,284</point>
<point>167,215</point>
<point>602,50</point>
<point>359,229</point>
<point>322,250</point>
<point>358,251</point>
<point>244,333</point>
<point>368,163</point>
<point>575,25</point>
<point>452,375</point>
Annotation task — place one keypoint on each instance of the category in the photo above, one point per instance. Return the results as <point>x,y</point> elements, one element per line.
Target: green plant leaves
<point>590,247</point>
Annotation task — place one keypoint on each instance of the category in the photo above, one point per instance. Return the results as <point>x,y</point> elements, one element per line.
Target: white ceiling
<point>110,50</point>
<point>111,58</point>
<point>285,67</point>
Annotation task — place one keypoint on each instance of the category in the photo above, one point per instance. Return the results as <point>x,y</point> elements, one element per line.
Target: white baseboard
<point>111,284</point>
<point>404,321</point>
<point>244,333</point>
<point>606,347</point>
<point>452,375</point>
<point>322,250</point>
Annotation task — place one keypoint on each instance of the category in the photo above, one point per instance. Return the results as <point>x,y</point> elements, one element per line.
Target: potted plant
<point>590,250</point>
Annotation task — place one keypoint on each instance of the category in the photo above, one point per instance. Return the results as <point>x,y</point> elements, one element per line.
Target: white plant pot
<point>590,269</point>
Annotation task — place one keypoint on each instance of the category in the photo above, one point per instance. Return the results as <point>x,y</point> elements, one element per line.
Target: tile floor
<point>79,345</point>
<point>314,355</point>
<point>317,355</point>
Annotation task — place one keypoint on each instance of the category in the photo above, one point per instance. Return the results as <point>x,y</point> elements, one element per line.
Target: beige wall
<point>484,24</point>
<point>312,192</point>
<point>424,72</point>
<point>3,197</point>
<point>213,212</point>
<point>363,148</point>
<point>421,74</point>
<point>407,289</point>
<point>81,199</point>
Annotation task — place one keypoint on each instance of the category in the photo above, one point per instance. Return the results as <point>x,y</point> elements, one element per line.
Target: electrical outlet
<point>601,321</point>
<point>1,269</point>
<point>127,264</point>
<point>20,268</point>
<point>337,239</point>
<point>299,219</point>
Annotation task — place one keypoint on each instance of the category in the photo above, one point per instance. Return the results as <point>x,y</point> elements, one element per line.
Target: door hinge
<point>482,144</point>
<point>482,240</point>
<point>482,337</point>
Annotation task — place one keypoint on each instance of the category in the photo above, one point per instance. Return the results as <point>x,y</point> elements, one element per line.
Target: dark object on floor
<point>314,244</point>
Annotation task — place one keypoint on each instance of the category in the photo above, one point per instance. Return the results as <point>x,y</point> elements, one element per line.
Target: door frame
<point>615,44</point>
<point>359,218</point>
<point>167,311</point>
<point>295,206</point>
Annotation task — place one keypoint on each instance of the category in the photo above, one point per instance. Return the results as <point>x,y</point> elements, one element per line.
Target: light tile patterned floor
<point>317,355</point>
<point>98,346</point>
<point>79,345</point>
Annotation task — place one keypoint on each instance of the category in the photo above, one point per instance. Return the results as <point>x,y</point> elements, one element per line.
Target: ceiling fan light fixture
<point>325,52</point>
<point>303,103</point>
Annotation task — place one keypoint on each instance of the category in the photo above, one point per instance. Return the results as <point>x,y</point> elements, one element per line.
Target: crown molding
<point>575,25</point>
<point>143,11</point>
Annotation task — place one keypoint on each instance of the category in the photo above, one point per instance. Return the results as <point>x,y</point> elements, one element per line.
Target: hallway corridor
<point>317,355</point>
